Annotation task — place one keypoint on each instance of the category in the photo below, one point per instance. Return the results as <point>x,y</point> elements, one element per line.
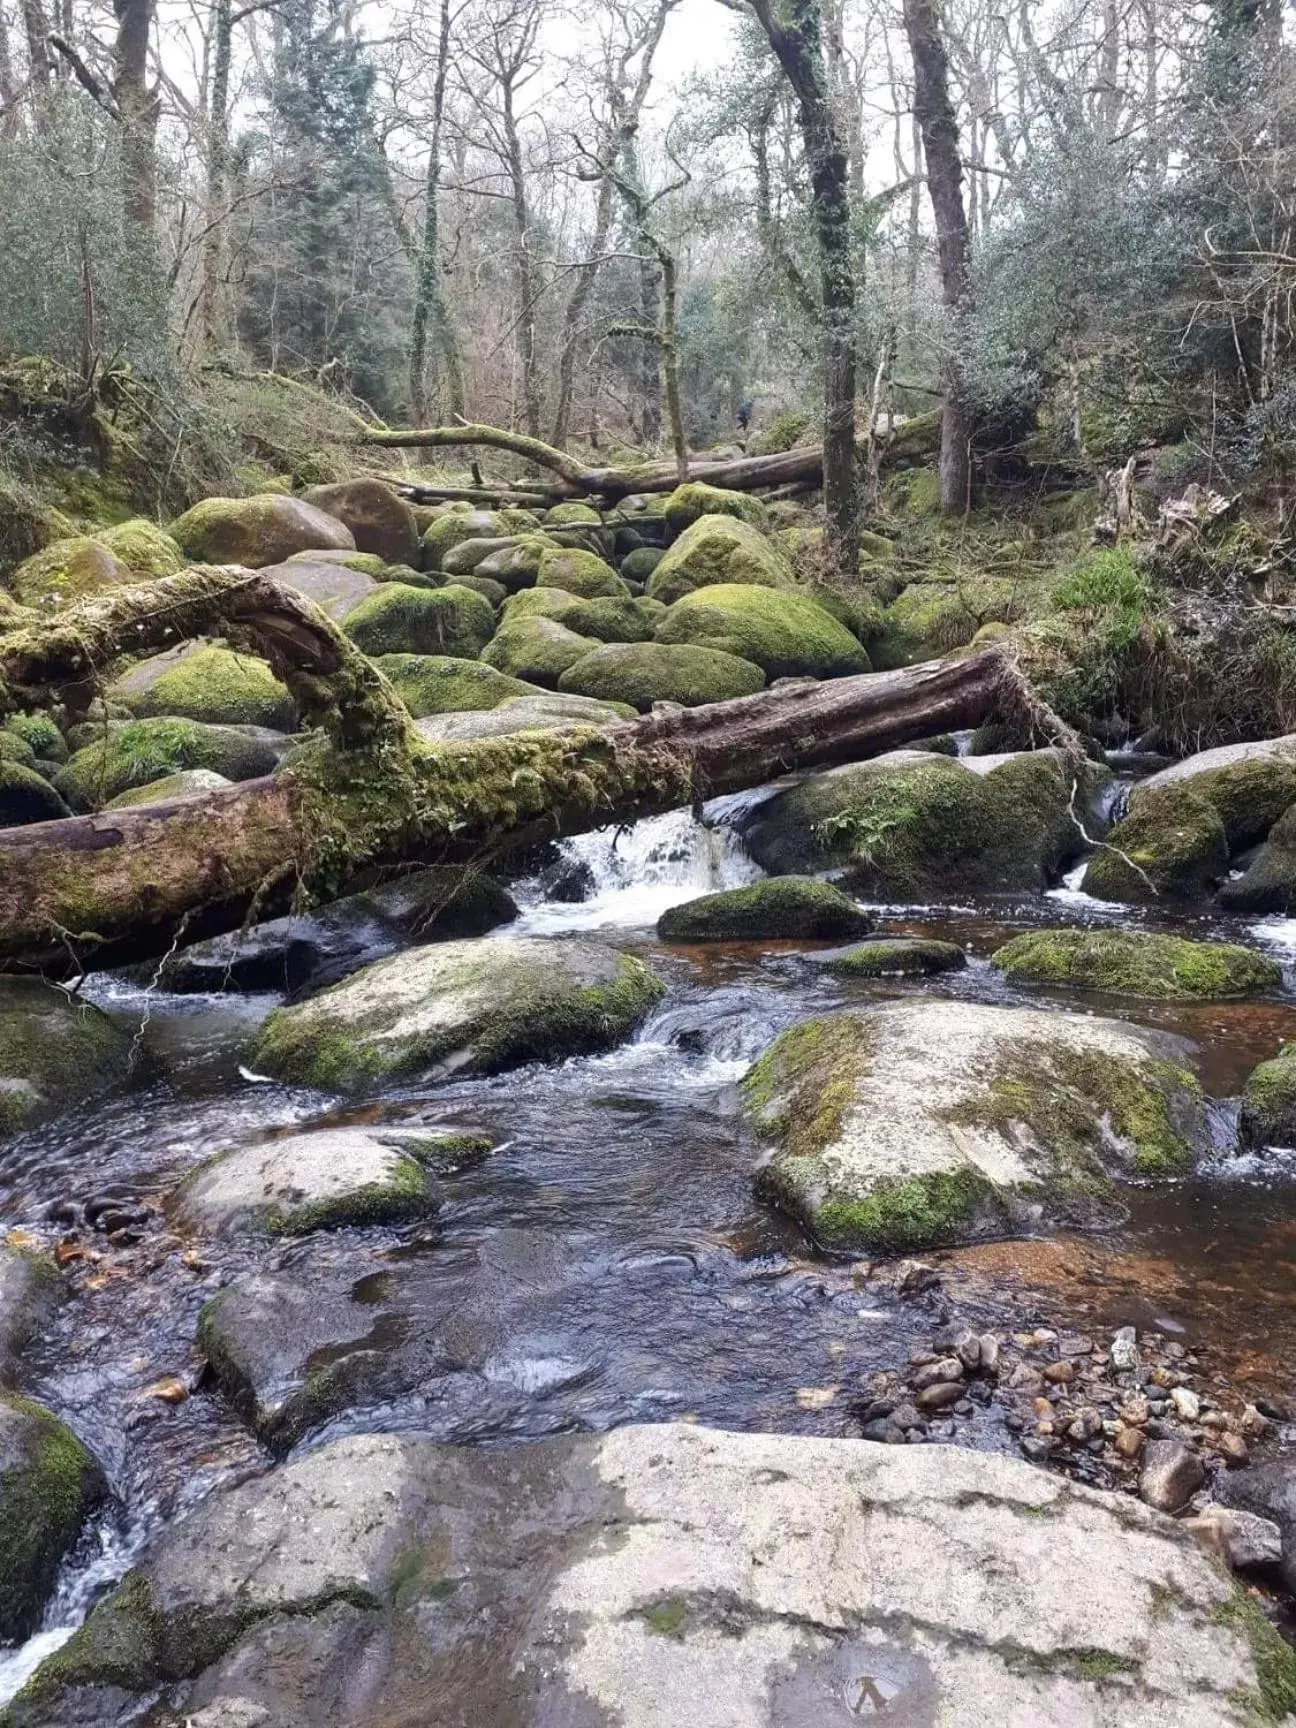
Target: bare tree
<point>429,300</point>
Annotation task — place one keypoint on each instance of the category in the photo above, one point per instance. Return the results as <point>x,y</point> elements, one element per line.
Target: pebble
<point>1134,1411</point>
<point>1085,1424</point>
<point>1036,1448</point>
<point>940,1395</point>
<point>1187,1404</point>
<point>1025,1379</point>
<point>989,1353</point>
<point>906,1417</point>
<point>1074,1344</point>
<point>1129,1442</point>
<point>1234,1451</point>
<point>1124,1351</point>
<point>912,1277</point>
<point>1060,1373</point>
<point>1240,1538</point>
<point>1172,1473</point>
<point>944,1369</point>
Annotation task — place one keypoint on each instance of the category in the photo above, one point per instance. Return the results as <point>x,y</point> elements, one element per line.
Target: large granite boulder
<point>257,531</point>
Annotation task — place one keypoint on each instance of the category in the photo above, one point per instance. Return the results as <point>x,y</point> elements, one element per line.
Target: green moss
<point>785,634</point>
<point>782,907</point>
<point>27,522</point>
<point>440,684</point>
<point>26,796</point>
<point>569,515</point>
<point>641,673</point>
<point>693,500</point>
<point>257,531</point>
<point>581,573</point>
<point>141,751</point>
<point>719,549</point>
<point>1171,847</point>
<point>44,1498</point>
<point>898,957</point>
<point>1136,963</point>
<point>784,432</point>
<point>638,565</point>
<point>898,1217</point>
<point>398,619</point>
<point>1073,1662</point>
<point>404,1196</point>
<point>143,547</point>
<point>1274,1696</point>
<point>916,492</point>
<point>210,684</point>
<point>517,565</point>
<point>40,734</point>
<point>802,1086</point>
<point>1269,1101</point>
<point>67,570</point>
<point>53,1052</point>
<point>666,1617</point>
<point>537,649</point>
<point>931,618</point>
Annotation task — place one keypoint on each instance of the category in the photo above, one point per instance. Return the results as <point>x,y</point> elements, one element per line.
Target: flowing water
<point>608,1262</point>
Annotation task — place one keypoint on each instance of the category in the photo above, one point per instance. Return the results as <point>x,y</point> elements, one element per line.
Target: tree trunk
<point>429,302</point>
<point>524,274</point>
<point>670,363</point>
<point>36,28</point>
<point>794,35</point>
<point>369,796</point>
<point>138,108</point>
<point>935,115</point>
<point>214,323</point>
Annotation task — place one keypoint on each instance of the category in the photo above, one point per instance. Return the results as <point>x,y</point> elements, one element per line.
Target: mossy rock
<point>572,515</point>
<point>719,550</point>
<point>786,635</point>
<point>784,432</point>
<point>543,602</point>
<point>257,531</point>
<point>688,503</point>
<point>26,796</point>
<point>928,619</point>
<point>144,548</point>
<point>638,565</point>
<point>1136,963</point>
<point>473,1007</point>
<point>915,492</point>
<point>200,681</point>
<point>927,1123</point>
<point>14,748</point>
<point>463,559</point>
<point>1268,1115</point>
<point>915,827</point>
<point>898,957</point>
<point>536,649</point>
<point>641,673</point>
<point>441,684</point>
<point>66,571</point>
<point>379,518</point>
<point>782,908</point>
<point>326,1179</point>
<point>1171,848</point>
<point>49,1482</point>
<point>581,573</point>
<point>455,526</point>
<point>171,789</point>
<point>54,1052</point>
<point>397,619</point>
<point>609,620</point>
<point>1268,884</point>
<point>516,564</point>
<point>140,751</point>
<point>28,523</point>
<point>40,734</point>
<point>1249,786</point>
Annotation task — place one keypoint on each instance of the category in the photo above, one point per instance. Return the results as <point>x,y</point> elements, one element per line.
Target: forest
<point>647,863</point>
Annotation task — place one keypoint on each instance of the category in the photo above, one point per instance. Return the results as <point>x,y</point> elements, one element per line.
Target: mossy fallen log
<point>364,796</point>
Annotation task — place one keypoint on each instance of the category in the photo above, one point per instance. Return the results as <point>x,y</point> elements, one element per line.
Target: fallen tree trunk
<point>911,442</point>
<point>366,796</point>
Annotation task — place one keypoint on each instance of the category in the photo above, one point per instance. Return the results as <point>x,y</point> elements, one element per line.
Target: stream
<point>609,1258</point>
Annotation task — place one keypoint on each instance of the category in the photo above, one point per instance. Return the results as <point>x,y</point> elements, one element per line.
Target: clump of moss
<point>67,570</point>
<point>789,907</point>
<point>785,634</point>
<point>694,499</point>
<point>54,1052</point>
<point>441,684</point>
<point>930,618</point>
<point>40,734</point>
<point>641,673</point>
<point>1274,1696</point>
<point>1269,1102</point>
<point>784,432</point>
<point>26,796</point>
<point>143,547</point>
<point>584,574</point>
<point>398,619</point>
<point>536,649</point>
<point>207,683</point>
<point>572,515</point>
<point>141,751</point>
<point>903,1216</point>
<point>1136,963</point>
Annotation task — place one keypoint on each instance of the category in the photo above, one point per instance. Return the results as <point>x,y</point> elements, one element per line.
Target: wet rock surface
<point>48,1483</point>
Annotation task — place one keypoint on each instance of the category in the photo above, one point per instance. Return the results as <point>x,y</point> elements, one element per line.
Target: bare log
<point>130,884</point>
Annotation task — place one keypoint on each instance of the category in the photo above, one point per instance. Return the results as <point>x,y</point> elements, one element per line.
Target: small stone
<point>1254,1421</point>
<point>1060,1373</point>
<point>1042,1407</point>
<point>906,1417</point>
<point>914,1276</point>
<point>1085,1424</point>
<point>1240,1538</point>
<point>878,1429</point>
<point>169,1390</point>
<point>1041,1336</point>
<point>1213,1419</point>
<point>1046,1428</point>
<point>1025,1379</point>
<point>1134,1412</point>
<point>940,1396</point>
<point>893,1435</point>
<point>1187,1405</point>
<point>1074,1344</point>
<point>1271,1411</point>
<point>1037,1448</point>
<point>1234,1451</point>
<point>962,1408</point>
<point>989,1345</point>
<point>1124,1351</point>
<point>967,1347</point>
<point>1172,1473</point>
<point>1164,1378</point>
<point>1129,1442</point>
<point>937,1373</point>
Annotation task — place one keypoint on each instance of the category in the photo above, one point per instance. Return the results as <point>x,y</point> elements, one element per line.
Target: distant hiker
<point>744,415</point>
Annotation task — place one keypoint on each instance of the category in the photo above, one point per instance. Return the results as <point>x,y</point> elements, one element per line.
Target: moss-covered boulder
<point>379,518</point>
<point>516,563</point>
<point>454,526</point>
<point>1268,1115</point>
<point>572,515</point>
<point>581,573</point>
<point>442,684</point>
<point>41,735</point>
<point>140,751</point>
<point>201,681</point>
<point>54,1052</point>
<point>459,1008</point>
<point>784,907</point>
<point>257,531</point>
<point>641,673</point>
<point>928,619</point>
<point>335,585</point>
<point>178,788</point>
<point>715,550</point>
<point>912,826</point>
<point>1268,884</point>
<point>786,635</point>
<point>398,619</point>
<point>322,1180</point>
<point>610,619</point>
<point>1170,848</point>
<point>898,957</point>
<point>695,499</point>
<point>639,563</point>
<point>925,1123</point>
<point>26,796</point>
<point>49,1482</point>
<point>1136,963</point>
<point>66,571</point>
<point>536,649</point>
<point>1248,785</point>
<point>144,548</point>
<point>30,1292</point>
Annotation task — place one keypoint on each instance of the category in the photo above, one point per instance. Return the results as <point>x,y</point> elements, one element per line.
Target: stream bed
<point>609,1262</point>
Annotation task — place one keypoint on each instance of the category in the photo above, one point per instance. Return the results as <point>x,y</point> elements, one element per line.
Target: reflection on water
<point>607,1262</point>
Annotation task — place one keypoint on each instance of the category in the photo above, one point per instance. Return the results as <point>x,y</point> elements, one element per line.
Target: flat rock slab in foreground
<point>662,1576</point>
